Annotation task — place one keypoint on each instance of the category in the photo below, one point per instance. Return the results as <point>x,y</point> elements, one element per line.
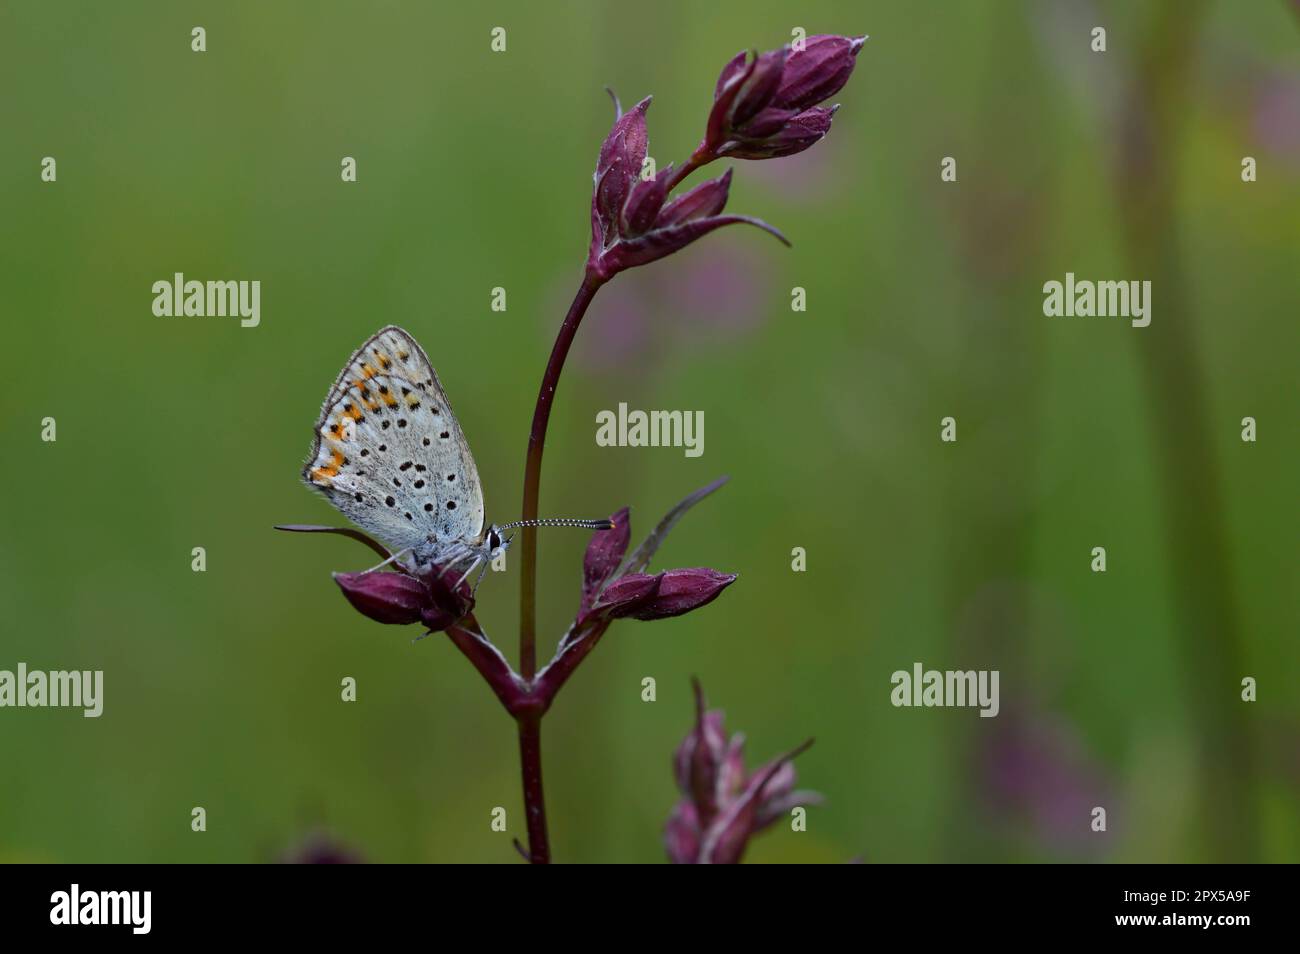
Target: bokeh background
<point>924,300</point>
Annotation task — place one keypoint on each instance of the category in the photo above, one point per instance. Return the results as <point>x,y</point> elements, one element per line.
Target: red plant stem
<point>491,665</point>
<point>533,473</point>
<point>698,158</point>
<point>530,729</point>
<point>530,760</point>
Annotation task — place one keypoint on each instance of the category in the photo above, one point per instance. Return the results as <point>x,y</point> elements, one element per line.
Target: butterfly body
<point>390,455</point>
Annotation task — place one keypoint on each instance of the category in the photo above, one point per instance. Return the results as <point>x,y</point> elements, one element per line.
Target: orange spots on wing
<point>322,473</point>
<point>383,359</point>
<point>368,372</point>
<point>412,400</point>
<point>389,399</point>
<point>352,411</point>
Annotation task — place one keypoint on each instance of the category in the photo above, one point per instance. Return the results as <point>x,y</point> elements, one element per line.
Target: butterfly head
<point>496,542</point>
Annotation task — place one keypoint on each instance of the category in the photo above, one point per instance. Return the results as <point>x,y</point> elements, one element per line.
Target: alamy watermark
<point>933,687</point>
<point>1087,299</point>
<point>75,906</point>
<point>77,689</point>
<point>625,428</point>
<point>179,298</point>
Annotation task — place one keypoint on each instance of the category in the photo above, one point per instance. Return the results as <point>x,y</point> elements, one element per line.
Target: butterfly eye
<point>494,540</point>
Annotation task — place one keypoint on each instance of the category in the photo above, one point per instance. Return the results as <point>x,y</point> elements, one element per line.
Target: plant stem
<point>530,727</point>
<point>698,158</point>
<point>533,474</point>
<point>530,760</point>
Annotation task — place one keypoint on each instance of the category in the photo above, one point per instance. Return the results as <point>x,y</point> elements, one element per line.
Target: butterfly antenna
<point>561,522</point>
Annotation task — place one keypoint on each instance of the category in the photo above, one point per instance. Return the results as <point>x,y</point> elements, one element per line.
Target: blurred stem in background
<point>998,230</point>
<point>1146,183</point>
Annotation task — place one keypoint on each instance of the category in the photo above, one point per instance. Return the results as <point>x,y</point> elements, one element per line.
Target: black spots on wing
<point>383,448</point>
<point>396,482</point>
<point>428,508</point>
<point>420,468</point>
<point>444,435</point>
<point>425,442</point>
<point>386,425</point>
<point>401,422</point>
<point>451,478</point>
<point>364,452</point>
<point>408,515</point>
<point>418,484</point>
<point>451,505</point>
<point>407,465</point>
<point>357,497</point>
<point>389,500</point>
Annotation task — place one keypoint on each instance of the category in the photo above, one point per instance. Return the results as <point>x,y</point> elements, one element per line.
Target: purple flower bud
<point>794,135</point>
<point>659,242</point>
<point>769,122</point>
<point>705,200</point>
<point>735,68</point>
<point>617,171</point>
<point>643,204</point>
<point>758,87</point>
<point>764,108</point>
<point>384,597</point>
<point>699,762</point>
<point>680,591</point>
<point>818,71</point>
<point>723,807</point>
<point>443,605</point>
<point>627,594</point>
<point>682,834</point>
<point>604,554</point>
<point>728,836</point>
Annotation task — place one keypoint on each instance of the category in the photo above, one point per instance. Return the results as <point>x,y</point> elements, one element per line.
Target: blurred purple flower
<point>722,806</point>
<point>321,848</point>
<point>1036,768</point>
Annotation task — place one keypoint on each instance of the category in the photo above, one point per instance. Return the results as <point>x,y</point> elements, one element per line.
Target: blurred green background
<point>924,300</point>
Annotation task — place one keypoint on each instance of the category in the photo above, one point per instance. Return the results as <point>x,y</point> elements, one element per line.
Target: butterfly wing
<point>389,452</point>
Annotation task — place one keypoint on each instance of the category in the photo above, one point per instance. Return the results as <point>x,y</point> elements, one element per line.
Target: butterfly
<point>389,453</point>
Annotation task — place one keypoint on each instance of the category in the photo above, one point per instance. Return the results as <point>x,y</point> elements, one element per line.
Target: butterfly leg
<point>395,556</point>
<point>460,555</point>
<point>481,574</point>
<point>473,563</point>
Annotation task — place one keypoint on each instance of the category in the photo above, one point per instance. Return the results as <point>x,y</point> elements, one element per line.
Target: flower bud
<point>818,71</point>
<point>766,107</point>
<point>385,597</point>
<point>604,554</point>
<point>627,594</point>
<point>681,591</point>
<point>722,806</point>
<point>791,135</point>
